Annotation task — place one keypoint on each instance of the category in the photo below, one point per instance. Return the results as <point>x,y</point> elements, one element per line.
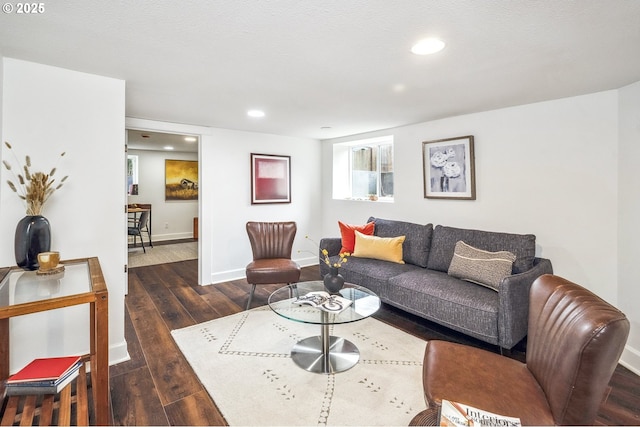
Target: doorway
<point>162,179</point>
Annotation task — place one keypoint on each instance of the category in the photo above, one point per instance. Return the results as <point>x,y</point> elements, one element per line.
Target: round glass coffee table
<point>324,354</point>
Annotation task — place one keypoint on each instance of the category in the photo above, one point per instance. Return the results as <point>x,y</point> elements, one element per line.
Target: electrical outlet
<point>166,225</point>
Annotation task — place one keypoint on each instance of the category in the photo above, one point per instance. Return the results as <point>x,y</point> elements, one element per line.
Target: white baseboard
<point>306,262</point>
<point>163,237</point>
<point>226,276</point>
<point>630,359</point>
<point>172,236</point>
<point>118,353</point>
<point>238,274</point>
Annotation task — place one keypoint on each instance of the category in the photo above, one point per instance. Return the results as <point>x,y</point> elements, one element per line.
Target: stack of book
<point>44,376</point>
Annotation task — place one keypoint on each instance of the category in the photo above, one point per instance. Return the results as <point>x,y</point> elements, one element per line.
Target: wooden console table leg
<point>4,349</point>
<point>100,357</point>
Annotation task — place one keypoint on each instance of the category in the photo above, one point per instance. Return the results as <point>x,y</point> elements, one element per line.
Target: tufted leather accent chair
<point>575,340</point>
<point>271,243</point>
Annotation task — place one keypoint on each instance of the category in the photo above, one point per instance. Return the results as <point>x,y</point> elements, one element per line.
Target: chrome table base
<point>325,354</point>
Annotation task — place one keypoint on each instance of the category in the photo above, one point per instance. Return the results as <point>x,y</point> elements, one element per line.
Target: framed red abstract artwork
<point>270,179</point>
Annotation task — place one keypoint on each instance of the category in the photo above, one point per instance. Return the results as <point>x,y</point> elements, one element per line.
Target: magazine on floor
<point>324,301</point>
<point>457,414</point>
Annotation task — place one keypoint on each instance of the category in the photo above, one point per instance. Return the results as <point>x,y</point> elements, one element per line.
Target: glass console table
<point>25,292</point>
<point>324,353</point>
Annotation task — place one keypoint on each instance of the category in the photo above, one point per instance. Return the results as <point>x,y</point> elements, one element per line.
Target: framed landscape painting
<point>181,179</point>
<point>270,179</point>
<point>448,168</point>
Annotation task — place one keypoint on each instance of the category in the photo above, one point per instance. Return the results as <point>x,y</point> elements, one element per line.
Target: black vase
<point>33,235</point>
<point>333,281</point>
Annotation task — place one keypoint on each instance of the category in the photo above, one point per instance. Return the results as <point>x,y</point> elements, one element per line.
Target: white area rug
<point>162,254</point>
<point>243,361</point>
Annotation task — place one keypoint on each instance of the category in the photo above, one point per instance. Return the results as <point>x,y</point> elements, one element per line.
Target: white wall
<point>226,182</point>
<point>225,195</point>
<point>628,215</point>
<point>48,110</point>
<point>171,219</point>
<point>550,169</point>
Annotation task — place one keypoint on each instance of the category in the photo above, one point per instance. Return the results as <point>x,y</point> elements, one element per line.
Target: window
<point>367,167</point>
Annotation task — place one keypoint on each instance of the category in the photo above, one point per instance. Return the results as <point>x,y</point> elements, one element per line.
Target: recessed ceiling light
<point>428,46</point>
<point>255,113</point>
<point>190,138</point>
<point>168,147</point>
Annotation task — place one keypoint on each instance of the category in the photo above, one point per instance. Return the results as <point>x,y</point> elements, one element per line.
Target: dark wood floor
<point>158,387</point>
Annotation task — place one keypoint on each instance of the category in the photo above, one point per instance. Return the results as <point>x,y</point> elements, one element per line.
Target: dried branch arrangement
<point>34,188</point>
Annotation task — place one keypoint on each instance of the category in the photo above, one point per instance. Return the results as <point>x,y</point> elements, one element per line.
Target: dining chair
<point>139,225</point>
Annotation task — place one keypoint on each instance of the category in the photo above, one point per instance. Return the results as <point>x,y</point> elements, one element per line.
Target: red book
<point>46,369</point>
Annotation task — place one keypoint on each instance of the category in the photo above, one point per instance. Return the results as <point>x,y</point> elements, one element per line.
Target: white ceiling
<point>158,141</point>
<point>343,64</point>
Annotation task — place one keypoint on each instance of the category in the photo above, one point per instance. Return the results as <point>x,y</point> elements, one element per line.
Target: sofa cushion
<point>382,248</point>
<point>371,273</point>
<point>348,237</point>
<point>481,267</point>
<point>451,302</point>
<point>415,249</point>
<point>443,244</point>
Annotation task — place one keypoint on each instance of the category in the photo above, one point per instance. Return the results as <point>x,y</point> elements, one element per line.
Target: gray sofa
<point>423,287</point>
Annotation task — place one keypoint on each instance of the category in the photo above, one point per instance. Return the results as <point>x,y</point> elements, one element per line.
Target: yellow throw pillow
<point>382,248</point>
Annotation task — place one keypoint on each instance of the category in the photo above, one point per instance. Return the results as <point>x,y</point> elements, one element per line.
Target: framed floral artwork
<point>448,168</point>
<point>270,179</point>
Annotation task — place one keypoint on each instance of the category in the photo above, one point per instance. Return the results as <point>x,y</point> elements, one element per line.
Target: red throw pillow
<point>347,232</point>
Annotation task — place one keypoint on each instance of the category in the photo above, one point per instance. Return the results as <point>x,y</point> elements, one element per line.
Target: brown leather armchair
<point>575,340</point>
<point>271,243</point>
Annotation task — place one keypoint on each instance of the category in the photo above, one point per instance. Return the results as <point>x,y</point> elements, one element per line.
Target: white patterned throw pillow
<point>479,266</point>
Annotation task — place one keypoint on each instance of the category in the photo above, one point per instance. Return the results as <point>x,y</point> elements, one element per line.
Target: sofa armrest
<point>513,316</point>
<point>333,246</point>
